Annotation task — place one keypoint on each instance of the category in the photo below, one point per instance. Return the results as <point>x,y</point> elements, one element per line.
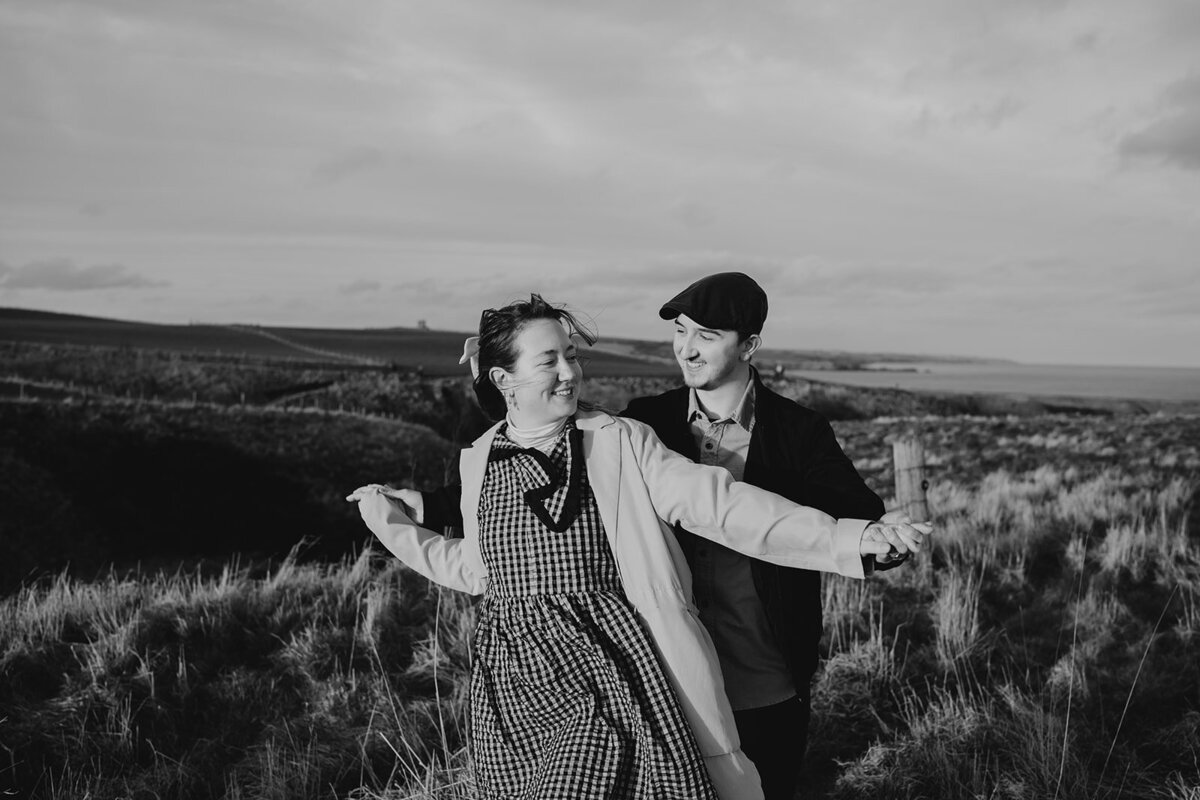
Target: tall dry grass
<point>311,681</point>
<point>1046,648</point>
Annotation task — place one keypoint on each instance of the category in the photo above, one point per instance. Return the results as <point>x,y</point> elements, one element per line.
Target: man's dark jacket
<point>793,452</point>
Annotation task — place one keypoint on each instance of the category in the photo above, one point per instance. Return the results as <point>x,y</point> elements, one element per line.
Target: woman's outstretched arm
<point>455,563</point>
<point>708,502</point>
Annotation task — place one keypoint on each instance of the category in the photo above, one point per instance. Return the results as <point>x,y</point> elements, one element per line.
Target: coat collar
<point>585,420</point>
<point>593,419</point>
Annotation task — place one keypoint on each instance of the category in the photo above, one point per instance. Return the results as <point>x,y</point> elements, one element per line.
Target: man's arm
<point>829,480</point>
<point>825,478</point>
<point>438,510</point>
<point>442,508</point>
<point>832,484</point>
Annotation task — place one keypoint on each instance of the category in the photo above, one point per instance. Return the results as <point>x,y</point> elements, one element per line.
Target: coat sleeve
<point>829,480</point>
<point>710,503</point>
<point>455,563</point>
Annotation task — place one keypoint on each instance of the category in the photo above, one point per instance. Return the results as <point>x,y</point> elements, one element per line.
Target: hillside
<point>434,353</point>
<point>430,352</point>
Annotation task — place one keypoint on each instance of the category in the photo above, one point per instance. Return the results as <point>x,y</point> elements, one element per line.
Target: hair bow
<point>471,354</point>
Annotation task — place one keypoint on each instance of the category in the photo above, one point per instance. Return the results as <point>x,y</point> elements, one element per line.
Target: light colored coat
<point>641,487</point>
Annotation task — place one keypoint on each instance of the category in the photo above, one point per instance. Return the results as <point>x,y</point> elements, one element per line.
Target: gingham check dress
<point>568,699</point>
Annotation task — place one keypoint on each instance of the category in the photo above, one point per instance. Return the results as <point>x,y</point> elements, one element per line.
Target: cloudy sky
<point>1017,180</point>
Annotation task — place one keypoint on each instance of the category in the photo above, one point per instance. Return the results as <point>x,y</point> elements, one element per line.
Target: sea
<point>1170,384</point>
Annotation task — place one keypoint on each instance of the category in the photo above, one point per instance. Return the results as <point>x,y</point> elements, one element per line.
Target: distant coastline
<point>1169,384</point>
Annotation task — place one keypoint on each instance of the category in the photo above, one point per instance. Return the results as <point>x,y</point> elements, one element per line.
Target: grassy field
<point>157,640</point>
<point>1048,647</point>
<point>39,370</point>
<point>249,453</point>
<point>407,348</point>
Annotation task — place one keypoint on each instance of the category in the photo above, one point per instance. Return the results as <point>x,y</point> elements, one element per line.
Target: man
<point>765,620</point>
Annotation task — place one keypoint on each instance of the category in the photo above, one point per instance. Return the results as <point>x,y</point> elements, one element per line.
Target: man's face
<point>709,358</point>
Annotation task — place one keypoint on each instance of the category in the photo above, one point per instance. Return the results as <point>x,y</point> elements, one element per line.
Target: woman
<point>592,676</point>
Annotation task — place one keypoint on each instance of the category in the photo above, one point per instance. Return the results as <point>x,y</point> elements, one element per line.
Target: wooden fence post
<point>909,457</point>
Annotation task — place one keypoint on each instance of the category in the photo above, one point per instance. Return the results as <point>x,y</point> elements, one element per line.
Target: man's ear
<point>751,345</point>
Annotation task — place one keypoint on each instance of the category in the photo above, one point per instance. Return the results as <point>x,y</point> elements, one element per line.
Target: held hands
<point>373,500</point>
<point>894,537</point>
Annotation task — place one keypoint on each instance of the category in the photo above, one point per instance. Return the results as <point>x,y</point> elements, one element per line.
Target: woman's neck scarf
<point>537,448</point>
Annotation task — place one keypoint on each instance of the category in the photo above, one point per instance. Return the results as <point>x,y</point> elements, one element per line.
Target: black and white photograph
<point>533,400</point>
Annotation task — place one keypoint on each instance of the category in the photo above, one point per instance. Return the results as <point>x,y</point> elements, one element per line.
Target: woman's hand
<point>414,505</point>
<point>893,537</point>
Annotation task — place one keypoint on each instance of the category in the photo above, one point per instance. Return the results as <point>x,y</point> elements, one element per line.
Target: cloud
<point>695,215</point>
<point>61,275</point>
<point>680,269</point>
<point>359,287</point>
<point>1165,291</point>
<point>1185,307</point>
<point>346,164</point>
<point>783,277</point>
<point>1174,138</point>
<point>464,299</point>
<point>986,116</point>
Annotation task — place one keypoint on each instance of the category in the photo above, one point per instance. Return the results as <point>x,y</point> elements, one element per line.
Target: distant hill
<point>434,352</point>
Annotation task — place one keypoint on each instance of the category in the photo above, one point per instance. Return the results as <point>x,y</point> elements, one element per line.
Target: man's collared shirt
<point>756,674</point>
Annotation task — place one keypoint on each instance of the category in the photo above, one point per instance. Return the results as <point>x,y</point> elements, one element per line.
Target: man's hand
<point>894,537</point>
<point>414,505</point>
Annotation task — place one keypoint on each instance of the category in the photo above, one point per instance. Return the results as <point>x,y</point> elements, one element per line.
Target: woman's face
<point>544,381</point>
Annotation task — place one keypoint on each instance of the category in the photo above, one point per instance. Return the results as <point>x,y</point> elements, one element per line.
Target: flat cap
<point>726,301</point>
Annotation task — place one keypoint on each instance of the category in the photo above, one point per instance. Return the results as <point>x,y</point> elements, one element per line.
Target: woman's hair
<point>498,330</point>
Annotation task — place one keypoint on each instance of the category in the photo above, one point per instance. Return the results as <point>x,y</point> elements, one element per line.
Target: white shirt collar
<point>743,412</point>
